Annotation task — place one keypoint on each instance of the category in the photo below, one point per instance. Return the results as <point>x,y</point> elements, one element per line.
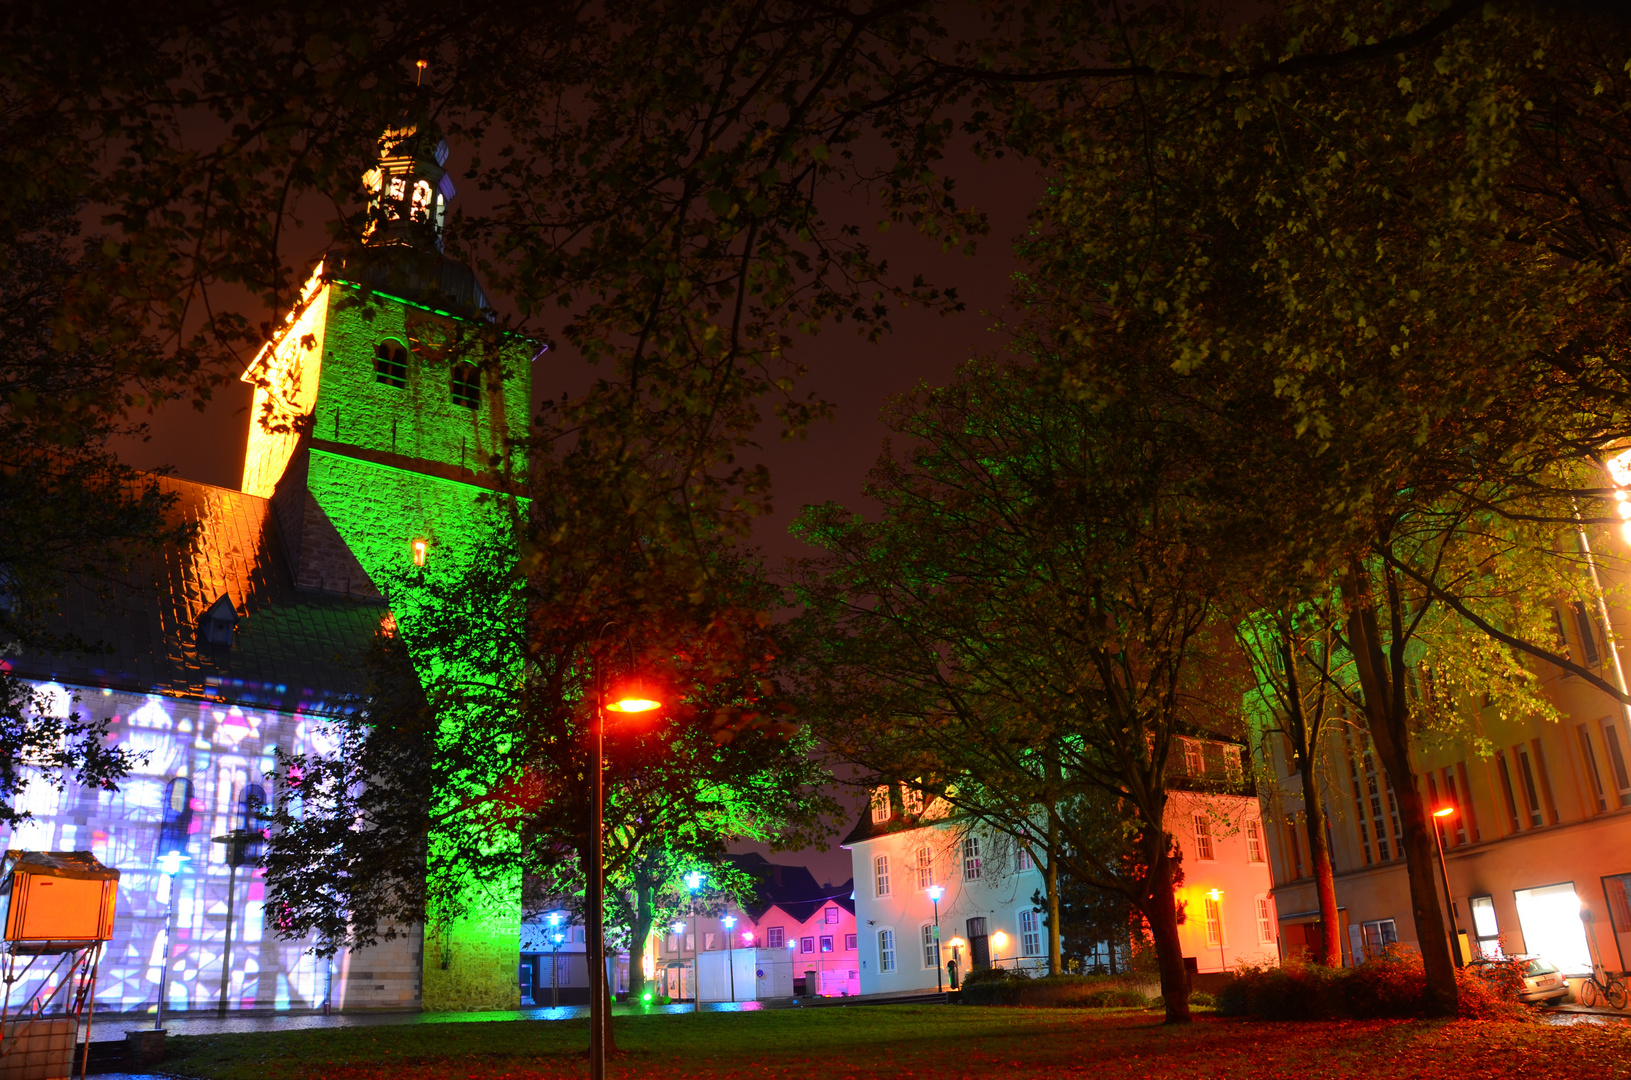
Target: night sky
<point>830,464</point>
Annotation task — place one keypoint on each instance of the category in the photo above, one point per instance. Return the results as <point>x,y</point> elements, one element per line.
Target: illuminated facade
<point>1541,830</point>
<point>986,917</point>
<point>212,752</point>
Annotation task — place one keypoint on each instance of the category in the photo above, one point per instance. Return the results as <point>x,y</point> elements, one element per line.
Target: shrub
<point>1052,991</point>
<point>993,986</point>
<point>1390,984</point>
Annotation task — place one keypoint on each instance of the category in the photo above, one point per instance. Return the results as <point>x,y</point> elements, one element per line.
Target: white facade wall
<point>1230,862</point>
<point>1001,894</point>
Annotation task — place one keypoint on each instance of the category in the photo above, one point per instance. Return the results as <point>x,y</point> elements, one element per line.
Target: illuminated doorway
<point>1550,918</point>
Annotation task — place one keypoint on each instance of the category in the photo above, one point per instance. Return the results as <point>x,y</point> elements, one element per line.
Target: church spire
<point>409,189</point>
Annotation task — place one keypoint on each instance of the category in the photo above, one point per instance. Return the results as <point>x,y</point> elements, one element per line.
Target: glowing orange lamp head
<point>1215,895</point>
<point>1444,811</point>
<point>633,697</point>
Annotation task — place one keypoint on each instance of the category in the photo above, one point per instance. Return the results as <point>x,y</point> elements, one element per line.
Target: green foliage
<point>482,776</point>
<point>1024,629</point>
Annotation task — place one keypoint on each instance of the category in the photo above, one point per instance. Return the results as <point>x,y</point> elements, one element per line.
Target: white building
<point>986,914</point>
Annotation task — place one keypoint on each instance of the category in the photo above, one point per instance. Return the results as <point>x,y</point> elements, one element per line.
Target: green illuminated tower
<point>377,414</point>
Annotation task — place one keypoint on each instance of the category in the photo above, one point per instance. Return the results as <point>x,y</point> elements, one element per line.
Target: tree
<point>414,817</point>
<point>1025,629</point>
<point>1307,251</point>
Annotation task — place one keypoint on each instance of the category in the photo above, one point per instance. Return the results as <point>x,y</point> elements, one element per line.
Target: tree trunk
<point>594,924</point>
<point>1387,715</point>
<point>1051,876</point>
<point>1161,911</point>
<point>1330,949</point>
<point>644,915</point>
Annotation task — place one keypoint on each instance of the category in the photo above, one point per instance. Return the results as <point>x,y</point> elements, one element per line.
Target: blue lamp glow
<point>694,880</point>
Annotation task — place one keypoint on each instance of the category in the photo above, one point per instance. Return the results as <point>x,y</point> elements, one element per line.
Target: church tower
<point>379,413</point>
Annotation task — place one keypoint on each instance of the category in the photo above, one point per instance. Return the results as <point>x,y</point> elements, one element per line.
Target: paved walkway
<point>114,1026</point>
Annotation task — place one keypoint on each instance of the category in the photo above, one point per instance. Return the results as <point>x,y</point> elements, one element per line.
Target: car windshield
<point>1538,967</point>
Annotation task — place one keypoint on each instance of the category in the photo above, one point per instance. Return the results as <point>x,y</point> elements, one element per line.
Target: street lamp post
<point>730,952</point>
<point>935,893</point>
<point>555,960</point>
<point>1439,816</point>
<point>693,882</point>
<point>1216,896</point>
<point>170,865</point>
<point>594,918</point>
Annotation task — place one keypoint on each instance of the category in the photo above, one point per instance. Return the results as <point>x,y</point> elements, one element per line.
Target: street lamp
<point>1439,816</point>
<point>555,961</point>
<point>169,865</point>
<point>693,882</point>
<point>935,893</point>
<point>1216,896</point>
<point>730,952</point>
<point>632,700</point>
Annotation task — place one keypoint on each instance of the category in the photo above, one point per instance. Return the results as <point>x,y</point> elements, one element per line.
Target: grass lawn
<point>923,1042</point>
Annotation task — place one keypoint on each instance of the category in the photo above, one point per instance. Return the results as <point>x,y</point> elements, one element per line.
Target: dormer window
<point>391,364</point>
<point>1194,760</point>
<point>218,623</point>
<point>467,386</point>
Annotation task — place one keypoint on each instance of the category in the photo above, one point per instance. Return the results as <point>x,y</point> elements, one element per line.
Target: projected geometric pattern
<point>221,749</point>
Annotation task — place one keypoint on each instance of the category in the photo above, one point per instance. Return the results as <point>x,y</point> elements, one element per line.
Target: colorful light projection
<point>202,760</point>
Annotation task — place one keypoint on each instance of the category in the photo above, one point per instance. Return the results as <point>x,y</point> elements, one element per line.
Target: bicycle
<point>1603,986</point>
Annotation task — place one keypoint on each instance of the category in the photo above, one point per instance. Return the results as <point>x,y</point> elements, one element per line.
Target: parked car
<point>1542,982</point>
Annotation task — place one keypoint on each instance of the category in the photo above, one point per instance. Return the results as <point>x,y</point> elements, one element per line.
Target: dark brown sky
<point>832,462</point>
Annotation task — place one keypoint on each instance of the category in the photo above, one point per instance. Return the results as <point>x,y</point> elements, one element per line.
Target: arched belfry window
<point>466,386</point>
<point>391,363</point>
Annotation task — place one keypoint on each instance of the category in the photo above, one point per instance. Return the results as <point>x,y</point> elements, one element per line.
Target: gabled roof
<point>935,811</point>
<point>792,888</point>
<point>292,649</point>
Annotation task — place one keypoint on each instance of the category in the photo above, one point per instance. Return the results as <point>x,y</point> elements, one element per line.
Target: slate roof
<point>792,888</point>
<point>867,829</point>
<point>293,649</point>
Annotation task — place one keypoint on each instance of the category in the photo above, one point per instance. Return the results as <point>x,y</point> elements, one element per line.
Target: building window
<point>1507,792</point>
<point>391,364</point>
<point>886,950</point>
<point>832,915</point>
<point>1618,891</point>
<point>911,801</point>
<point>880,807</point>
<point>971,859</point>
<point>1254,840</point>
<point>690,943</point>
<point>930,959</point>
<point>1616,761</point>
<point>1214,922</point>
<point>1526,773</point>
<point>826,943</point>
<point>925,867</point>
<point>1265,920</point>
<point>1025,862</point>
<point>1203,837</point>
<point>467,386</point>
<point>1378,935</point>
<point>1194,762</point>
<point>774,937</point>
<point>708,942</point>
<point>1588,634</point>
<point>806,944</point>
<point>849,942</point>
<point>880,875</point>
<point>1030,933</point>
<point>673,943</point>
